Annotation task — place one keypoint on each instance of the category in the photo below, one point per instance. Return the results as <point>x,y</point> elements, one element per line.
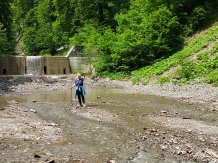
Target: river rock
<point>34,111</point>
<point>111,161</point>
<point>37,156</point>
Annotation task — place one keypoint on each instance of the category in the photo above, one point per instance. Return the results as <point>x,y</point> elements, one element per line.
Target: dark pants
<point>80,95</point>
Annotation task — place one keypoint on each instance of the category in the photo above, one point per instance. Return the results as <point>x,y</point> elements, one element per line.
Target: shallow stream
<point>108,128</point>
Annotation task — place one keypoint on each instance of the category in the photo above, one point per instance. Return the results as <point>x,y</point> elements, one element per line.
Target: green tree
<point>45,18</point>
<point>25,24</point>
<point>63,28</point>
<point>3,40</point>
<point>97,12</point>
<point>20,10</point>
<point>141,37</point>
<point>29,33</point>
<point>6,24</point>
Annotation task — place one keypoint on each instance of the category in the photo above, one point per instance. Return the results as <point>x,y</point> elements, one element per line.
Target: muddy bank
<point>183,136</point>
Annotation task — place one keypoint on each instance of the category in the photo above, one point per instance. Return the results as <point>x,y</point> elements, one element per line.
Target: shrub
<point>163,79</point>
<point>212,78</point>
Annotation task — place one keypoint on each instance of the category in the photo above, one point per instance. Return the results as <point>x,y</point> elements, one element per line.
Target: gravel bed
<point>202,95</point>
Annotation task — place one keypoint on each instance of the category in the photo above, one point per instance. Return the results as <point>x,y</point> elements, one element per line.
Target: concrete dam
<point>42,65</point>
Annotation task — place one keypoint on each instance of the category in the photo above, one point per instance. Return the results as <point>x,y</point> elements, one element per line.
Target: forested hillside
<point>124,36</point>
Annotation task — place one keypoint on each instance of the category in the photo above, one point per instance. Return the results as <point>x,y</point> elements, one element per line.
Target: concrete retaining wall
<point>76,63</point>
<point>56,65</point>
<point>16,65</point>
<point>75,58</point>
<point>12,65</point>
<point>75,51</point>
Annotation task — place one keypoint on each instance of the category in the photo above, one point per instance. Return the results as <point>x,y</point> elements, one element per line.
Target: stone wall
<point>12,65</point>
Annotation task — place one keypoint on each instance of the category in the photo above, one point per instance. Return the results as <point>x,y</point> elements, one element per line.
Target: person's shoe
<point>84,105</point>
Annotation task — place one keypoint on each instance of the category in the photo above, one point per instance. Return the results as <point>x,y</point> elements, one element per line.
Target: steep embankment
<point>196,62</point>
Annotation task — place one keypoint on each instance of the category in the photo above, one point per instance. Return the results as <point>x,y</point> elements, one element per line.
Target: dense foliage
<point>3,40</point>
<point>46,25</point>
<point>6,32</point>
<point>145,32</point>
<point>121,36</point>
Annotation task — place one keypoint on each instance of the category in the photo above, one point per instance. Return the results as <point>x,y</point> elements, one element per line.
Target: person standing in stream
<point>80,90</point>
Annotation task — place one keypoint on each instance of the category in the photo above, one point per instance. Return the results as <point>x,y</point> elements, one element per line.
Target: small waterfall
<point>34,65</point>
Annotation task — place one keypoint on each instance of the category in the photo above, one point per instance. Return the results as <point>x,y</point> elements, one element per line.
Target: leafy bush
<point>187,71</point>
<point>203,56</point>
<point>117,76</point>
<point>212,78</point>
<point>163,79</point>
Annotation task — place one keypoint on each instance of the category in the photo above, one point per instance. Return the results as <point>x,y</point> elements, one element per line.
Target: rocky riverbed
<point>189,138</point>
